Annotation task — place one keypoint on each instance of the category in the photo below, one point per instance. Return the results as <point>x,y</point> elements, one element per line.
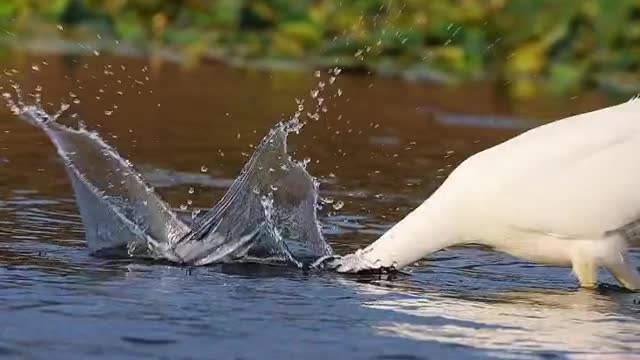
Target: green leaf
<point>56,8</point>
<point>8,9</point>
<point>304,32</point>
<point>130,27</point>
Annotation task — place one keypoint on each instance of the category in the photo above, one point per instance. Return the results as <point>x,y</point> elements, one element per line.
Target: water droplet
<point>189,202</point>
<point>339,92</point>
<point>96,52</point>
<point>204,169</point>
<point>332,80</point>
<point>183,207</point>
<point>60,27</point>
<point>327,200</point>
<point>191,190</point>
<point>317,74</point>
<point>339,205</point>
<point>273,187</point>
<point>35,67</point>
<point>108,112</point>
<point>314,93</point>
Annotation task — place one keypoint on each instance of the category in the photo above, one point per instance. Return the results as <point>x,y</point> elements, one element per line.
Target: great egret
<point>564,194</point>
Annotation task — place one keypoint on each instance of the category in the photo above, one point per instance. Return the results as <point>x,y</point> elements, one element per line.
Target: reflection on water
<point>522,321</point>
<point>376,150</point>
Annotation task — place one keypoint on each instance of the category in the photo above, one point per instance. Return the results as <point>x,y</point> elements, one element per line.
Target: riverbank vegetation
<point>529,46</point>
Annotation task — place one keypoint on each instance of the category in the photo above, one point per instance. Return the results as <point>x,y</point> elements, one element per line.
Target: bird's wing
<point>576,178</point>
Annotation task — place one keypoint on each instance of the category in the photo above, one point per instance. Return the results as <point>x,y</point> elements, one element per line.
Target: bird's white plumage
<point>556,194</point>
<point>577,177</point>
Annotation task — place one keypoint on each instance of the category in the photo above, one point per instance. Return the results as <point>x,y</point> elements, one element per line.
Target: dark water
<point>381,148</point>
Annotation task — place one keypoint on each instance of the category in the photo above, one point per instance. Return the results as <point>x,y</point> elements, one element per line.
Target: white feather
<point>560,194</point>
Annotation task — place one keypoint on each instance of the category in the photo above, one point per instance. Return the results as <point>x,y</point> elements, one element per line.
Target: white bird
<point>564,194</point>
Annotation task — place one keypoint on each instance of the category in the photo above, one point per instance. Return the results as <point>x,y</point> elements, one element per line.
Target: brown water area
<point>380,149</point>
<point>383,140</point>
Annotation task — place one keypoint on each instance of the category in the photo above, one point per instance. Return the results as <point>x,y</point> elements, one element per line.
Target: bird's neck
<point>427,229</point>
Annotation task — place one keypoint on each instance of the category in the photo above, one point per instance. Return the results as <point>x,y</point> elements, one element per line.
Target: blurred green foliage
<point>557,45</point>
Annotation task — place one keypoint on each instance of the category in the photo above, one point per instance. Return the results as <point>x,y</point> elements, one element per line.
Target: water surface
<point>381,148</point>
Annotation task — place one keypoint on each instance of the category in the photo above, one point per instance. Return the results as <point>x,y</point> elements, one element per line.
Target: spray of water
<point>267,215</point>
<point>269,212</point>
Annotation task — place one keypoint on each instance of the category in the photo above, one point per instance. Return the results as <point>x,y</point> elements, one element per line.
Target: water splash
<point>120,212</point>
<point>267,215</point>
<point>271,206</point>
